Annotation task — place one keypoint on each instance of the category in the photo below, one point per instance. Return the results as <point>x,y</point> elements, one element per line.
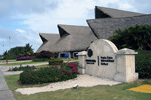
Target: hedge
<point>26,58</point>
<point>143,64</point>
<point>21,68</point>
<point>46,54</point>
<point>43,75</point>
<point>49,74</point>
<point>53,61</point>
<point>40,60</point>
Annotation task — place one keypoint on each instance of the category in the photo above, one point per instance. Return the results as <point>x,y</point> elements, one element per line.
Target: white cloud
<point>21,31</point>
<point>106,2</point>
<point>72,12</point>
<point>125,6</point>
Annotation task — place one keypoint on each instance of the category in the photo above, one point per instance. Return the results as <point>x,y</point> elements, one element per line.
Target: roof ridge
<point>48,33</point>
<point>71,25</point>
<point>104,12</point>
<point>62,31</point>
<point>117,9</point>
<point>119,17</point>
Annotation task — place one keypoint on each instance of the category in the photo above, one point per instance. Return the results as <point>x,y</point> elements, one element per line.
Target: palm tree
<point>28,50</point>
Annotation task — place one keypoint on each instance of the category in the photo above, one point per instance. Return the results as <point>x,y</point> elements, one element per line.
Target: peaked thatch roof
<point>73,38</point>
<point>105,27</point>
<point>48,41</point>
<point>102,12</point>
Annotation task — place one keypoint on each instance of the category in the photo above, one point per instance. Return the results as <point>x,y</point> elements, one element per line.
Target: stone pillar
<point>125,70</point>
<point>82,62</point>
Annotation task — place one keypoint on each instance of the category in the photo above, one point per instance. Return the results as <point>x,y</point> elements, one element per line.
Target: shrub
<point>137,38</point>
<point>26,58</point>
<point>49,74</point>
<point>53,61</point>
<point>42,75</point>
<point>46,54</point>
<point>21,68</point>
<point>40,60</point>
<point>70,70</point>
<point>143,64</point>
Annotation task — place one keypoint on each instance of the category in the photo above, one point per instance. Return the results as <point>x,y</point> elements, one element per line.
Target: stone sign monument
<point>104,60</point>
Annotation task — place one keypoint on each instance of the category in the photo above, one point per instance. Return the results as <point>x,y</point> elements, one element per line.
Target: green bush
<point>46,54</point>
<point>49,74</point>
<point>53,61</point>
<point>21,68</point>
<point>40,59</point>
<point>137,38</point>
<point>43,75</point>
<point>143,64</point>
<point>70,70</point>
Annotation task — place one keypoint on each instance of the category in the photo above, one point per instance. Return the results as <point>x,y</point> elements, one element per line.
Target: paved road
<point>6,67</point>
<point>5,93</point>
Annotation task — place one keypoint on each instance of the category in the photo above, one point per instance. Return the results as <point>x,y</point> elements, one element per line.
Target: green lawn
<point>117,92</point>
<point>4,61</point>
<point>47,65</point>
<point>28,62</point>
<point>21,63</point>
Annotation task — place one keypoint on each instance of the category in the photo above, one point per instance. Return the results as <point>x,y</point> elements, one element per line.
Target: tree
<point>28,50</point>
<point>16,52</point>
<point>5,55</point>
<point>137,38</point>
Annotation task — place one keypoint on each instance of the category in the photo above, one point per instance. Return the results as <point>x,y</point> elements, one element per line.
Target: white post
<point>125,71</point>
<point>82,62</point>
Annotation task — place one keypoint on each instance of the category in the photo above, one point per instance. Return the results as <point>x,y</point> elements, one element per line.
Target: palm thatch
<point>78,38</point>
<point>105,27</point>
<point>73,38</point>
<point>102,12</point>
<point>48,41</point>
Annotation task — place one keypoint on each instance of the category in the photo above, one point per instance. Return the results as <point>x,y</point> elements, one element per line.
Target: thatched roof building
<point>78,38</point>
<point>103,12</point>
<point>48,41</point>
<point>104,28</point>
<point>73,38</point>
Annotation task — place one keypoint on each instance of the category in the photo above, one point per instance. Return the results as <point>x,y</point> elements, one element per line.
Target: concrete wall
<point>104,60</point>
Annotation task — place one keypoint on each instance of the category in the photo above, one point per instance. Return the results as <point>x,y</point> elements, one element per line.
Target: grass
<point>4,61</point>
<point>28,62</point>
<point>46,65</point>
<point>20,63</point>
<point>117,92</point>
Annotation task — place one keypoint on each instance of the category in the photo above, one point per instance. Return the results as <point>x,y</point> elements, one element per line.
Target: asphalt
<point>5,68</point>
<point>5,92</point>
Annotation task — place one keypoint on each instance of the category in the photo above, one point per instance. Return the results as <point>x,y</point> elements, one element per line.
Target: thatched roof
<point>48,41</point>
<point>78,38</point>
<point>73,38</point>
<point>102,12</point>
<point>105,27</point>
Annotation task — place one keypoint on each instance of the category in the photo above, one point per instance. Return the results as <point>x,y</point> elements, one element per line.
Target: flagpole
<point>9,42</point>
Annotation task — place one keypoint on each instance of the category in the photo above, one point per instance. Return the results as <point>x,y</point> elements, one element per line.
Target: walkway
<point>5,93</point>
<point>6,67</point>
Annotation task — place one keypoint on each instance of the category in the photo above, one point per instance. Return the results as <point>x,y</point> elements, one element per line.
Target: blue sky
<point>23,20</point>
